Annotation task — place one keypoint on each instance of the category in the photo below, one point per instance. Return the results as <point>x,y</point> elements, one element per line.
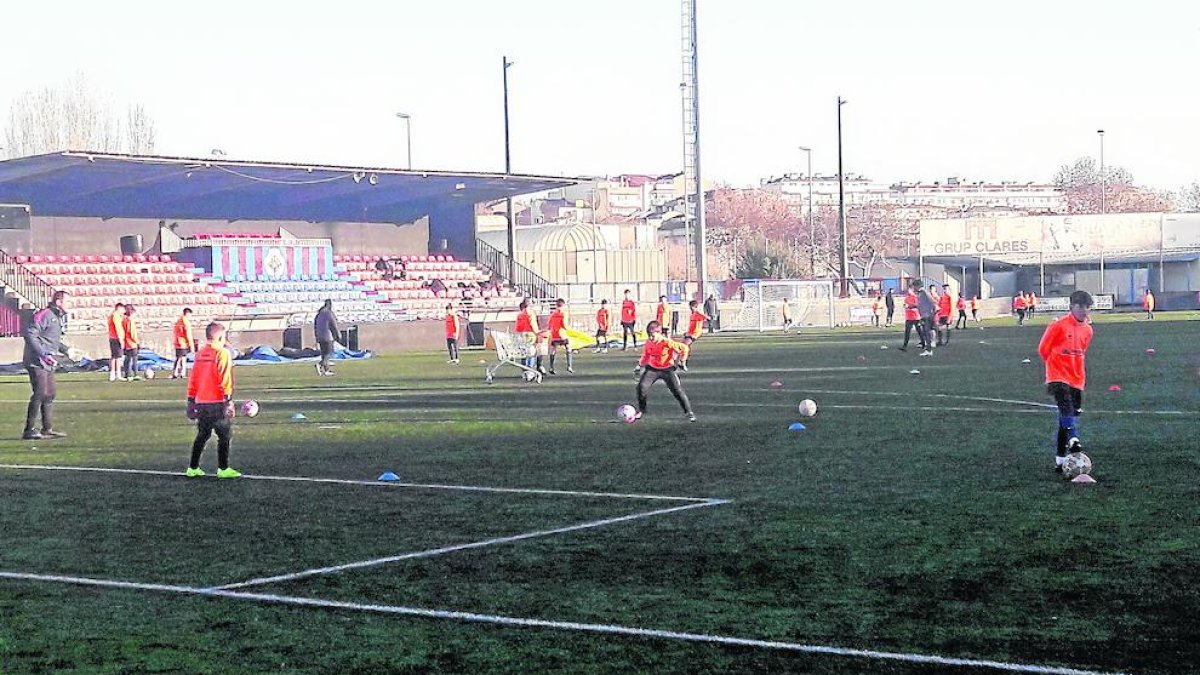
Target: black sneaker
<point>551,372</point>
<point>31,436</point>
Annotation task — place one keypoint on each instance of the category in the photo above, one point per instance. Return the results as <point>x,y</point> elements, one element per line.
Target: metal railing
<point>23,282</point>
<point>527,282</point>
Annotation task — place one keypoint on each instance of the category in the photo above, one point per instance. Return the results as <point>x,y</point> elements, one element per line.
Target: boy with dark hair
<point>184,343</point>
<point>694,330</point>
<point>1019,305</point>
<point>527,327</point>
<point>1063,348</point>
<point>961,323</point>
<point>453,327</point>
<point>603,320</point>
<point>116,340</point>
<point>43,339</point>
<point>912,315</point>
<point>131,344</point>
<point>975,308</point>
<point>927,307</point>
<point>1148,304</point>
<point>660,312</point>
<point>210,402</point>
<point>558,335</point>
<point>889,301</point>
<point>658,363</point>
<point>628,321</point>
<point>944,304</point>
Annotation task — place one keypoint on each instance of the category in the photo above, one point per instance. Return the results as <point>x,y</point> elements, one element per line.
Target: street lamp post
<point>812,228</point>
<point>508,202</point>
<point>407,136</point>
<point>845,290</point>
<point>1103,176</point>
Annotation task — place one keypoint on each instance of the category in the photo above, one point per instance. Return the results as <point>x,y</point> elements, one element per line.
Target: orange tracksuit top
<point>628,311</point>
<point>660,354</point>
<point>116,327</point>
<point>696,323</point>
<point>1063,348</point>
<point>183,333</point>
<point>451,326</point>
<point>557,321</point>
<point>603,317</point>
<point>212,376</point>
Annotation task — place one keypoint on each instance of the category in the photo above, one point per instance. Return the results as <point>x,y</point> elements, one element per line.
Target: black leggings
<point>452,347</point>
<point>626,333</point>
<point>42,400</point>
<point>918,324</point>
<point>652,375</point>
<point>211,417</point>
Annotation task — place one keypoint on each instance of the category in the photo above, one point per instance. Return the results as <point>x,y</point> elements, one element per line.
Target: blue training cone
<point>299,416</point>
<point>796,426</point>
<point>388,476</point>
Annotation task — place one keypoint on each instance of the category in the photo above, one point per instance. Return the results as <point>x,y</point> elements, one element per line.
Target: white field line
<point>610,629</point>
<point>984,399</point>
<point>334,569</point>
<point>704,501</point>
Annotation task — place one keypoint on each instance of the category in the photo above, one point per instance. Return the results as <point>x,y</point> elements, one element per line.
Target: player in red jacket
<point>659,358</point>
<point>1063,348</point>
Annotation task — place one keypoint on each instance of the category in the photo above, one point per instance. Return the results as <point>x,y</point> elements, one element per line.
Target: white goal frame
<point>811,304</point>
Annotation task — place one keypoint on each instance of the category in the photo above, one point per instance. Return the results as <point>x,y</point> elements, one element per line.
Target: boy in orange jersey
<point>558,335</point>
<point>694,330</point>
<point>1148,304</point>
<point>453,327</point>
<point>603,321</point>
<point>658,363</point>
<point>660,313</point>
<point>975,308</point>
<point>116,340</point>
<point>1063,348</point>
<point>628,321</point>
<point>130,344</point>
<point>183,343</point>
<point>1019,305</point>
<point>527,327</point>
<point>210,402</point>
<point>912,315</point>
<point>944,305</point>
<point>1031,303</point>
<point>961,323</point>
<point>874,312</point>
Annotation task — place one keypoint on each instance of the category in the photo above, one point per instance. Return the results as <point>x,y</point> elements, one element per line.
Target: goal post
<point>810,304</point>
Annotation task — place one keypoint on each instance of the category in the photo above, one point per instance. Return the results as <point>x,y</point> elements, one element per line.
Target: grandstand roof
<point>577,237</point>
<point>91,184</point>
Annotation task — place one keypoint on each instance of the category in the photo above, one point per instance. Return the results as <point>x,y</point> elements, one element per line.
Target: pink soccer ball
<point>627,414</point>
<point>250,408</point>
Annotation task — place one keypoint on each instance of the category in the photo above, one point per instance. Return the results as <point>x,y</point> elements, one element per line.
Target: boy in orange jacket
<point>1063,349</point>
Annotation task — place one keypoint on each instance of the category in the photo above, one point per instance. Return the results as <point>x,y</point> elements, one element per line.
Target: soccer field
<point>916,526</point>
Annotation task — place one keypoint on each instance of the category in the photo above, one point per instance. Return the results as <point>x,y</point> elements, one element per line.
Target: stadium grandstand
<point>258,244</point>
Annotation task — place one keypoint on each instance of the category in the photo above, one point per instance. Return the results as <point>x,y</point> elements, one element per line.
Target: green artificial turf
<point>918,513</point>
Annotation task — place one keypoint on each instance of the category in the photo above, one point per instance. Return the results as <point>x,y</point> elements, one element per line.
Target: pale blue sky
<point>983,90</point>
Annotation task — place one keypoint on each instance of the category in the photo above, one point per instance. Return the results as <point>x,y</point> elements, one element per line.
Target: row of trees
<point>754,234</point>
<point>73,116</point>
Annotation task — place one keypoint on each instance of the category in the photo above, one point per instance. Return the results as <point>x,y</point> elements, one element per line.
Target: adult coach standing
<point>43,339</point>
<point>889,301</point>
<point>326,328</point>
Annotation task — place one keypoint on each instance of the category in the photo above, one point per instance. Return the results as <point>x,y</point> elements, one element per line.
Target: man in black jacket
<point>43,339</point>
<point>326,328</point>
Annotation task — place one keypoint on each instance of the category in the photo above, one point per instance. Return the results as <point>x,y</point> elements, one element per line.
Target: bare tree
<point>1188,199</point>
<point>139,131</point>
<point>1088,191</point>
<point>72,116</point>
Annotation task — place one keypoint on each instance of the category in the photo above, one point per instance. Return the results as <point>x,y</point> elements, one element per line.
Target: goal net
<point>809,304</point>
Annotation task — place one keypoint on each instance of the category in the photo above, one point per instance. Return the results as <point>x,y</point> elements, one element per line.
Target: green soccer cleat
<point>229,473</point>
<point>195,473</point>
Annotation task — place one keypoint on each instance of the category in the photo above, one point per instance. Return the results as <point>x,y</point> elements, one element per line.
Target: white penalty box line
<point>571,626</point>
<point>690,503</point>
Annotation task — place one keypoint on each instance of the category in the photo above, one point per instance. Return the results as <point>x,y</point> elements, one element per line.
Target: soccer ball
<point>529,375</point>
<point>148,373</point>
<point>250,408</point>
<point>808,407</point>
<point>1077,464</point>
<point>627,414</point>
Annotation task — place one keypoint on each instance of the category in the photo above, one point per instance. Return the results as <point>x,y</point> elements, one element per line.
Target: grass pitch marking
<point>610,629</point>
<point>463,547</point>
<point>705,501</point>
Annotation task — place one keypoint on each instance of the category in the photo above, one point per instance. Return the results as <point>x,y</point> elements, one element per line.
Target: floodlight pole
<point>1103,178</point>
<point>845,289</point>
<point>508,202</point>
<point>407,136</point>
<point>812,228</point>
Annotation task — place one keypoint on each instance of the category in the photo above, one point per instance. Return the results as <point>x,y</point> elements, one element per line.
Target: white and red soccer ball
<point>250,408</point>
<point>627,414</point>
<point>808,407</point>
